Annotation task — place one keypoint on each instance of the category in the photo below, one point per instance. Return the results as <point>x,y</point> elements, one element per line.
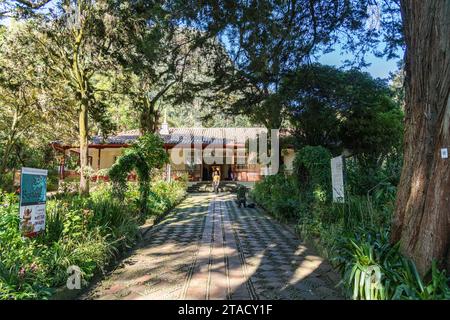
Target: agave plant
<point>364,275</point>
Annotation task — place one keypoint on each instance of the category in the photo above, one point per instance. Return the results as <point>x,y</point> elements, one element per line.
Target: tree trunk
<point>422,216</point>
<point>6,154</point>
<point>82,85</point>
<point>84,151</point>
<point>9,143</point>
<point>149,117</point>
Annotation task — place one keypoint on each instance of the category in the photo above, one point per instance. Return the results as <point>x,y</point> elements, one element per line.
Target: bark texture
<point>84,150</point>
<point>422,218</point>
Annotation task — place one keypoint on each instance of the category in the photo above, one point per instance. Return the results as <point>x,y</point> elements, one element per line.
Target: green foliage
<point>84,231</point>
<point>164,196</point>
<point>271,194</point>
<point>6,182</point>
<point>380,180</point>
<point>312,169</point>
<point>360,257</point>
<point>274,39</point>
<point>355,236</point>
<point>80,231</point>
<point>374,131</point>
<point>413,287</point>
<point>343,109</point>
<point>374,270</point>
<point>145,155</point>
<point>20,8</point>
<point>21,269</point>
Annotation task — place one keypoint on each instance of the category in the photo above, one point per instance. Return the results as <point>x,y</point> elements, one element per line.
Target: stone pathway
<point>208,248</point>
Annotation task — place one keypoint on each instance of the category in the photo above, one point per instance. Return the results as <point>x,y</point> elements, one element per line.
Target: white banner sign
<point>337,179</point>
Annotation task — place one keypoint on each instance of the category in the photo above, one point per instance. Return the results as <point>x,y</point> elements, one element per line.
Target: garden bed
<point>355,238</point>
<point>89,232</point>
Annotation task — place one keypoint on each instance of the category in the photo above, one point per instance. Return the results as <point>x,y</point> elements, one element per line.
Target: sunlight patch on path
<point>208,248</point>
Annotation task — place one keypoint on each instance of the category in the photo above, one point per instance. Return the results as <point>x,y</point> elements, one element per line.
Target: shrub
<point>273,194</point>
<point>52,180</point>
<point>355,236</point>
<point>165,195</point>
<point>312,169</point>
<point>22,269</point>
<point>374,270</point>
<point>162,196</point>
<point>378,179</point>
<point>145,155</point>
<point>6,181</point>
<point>86,232</point>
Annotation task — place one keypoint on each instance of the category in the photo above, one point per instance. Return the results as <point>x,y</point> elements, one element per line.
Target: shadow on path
<point>209,249</point>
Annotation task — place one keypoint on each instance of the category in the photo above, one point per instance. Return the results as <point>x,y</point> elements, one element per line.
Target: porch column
<point>98,160</point>
<point>168,172</point>
<point>168,168</point>
<point>62,164</point>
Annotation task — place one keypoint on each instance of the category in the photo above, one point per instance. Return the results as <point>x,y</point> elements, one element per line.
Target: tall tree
<point>422,216</point>
<point>19,98</point>
<point>162,62</point>
<point>343,109</point>
<point>77,41</point>
<point>265,40</point>
<point>25,110</point>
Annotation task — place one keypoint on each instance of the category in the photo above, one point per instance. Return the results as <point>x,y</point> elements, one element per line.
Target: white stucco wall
<point>107,157</point>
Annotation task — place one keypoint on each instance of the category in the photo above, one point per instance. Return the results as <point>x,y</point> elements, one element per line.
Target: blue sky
<point>379,68</point>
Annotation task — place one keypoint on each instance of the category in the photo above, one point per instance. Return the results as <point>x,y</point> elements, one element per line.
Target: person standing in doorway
<point>216,181</point>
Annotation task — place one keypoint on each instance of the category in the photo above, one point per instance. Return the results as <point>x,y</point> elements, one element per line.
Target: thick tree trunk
<point>82,86</point>
<point>149,117</point>
<point>84,151</point>
<point>5,157</point>
<point>422,217</point>
<point>9,143</point>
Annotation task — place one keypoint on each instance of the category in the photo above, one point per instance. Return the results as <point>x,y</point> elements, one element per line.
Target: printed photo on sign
<point>32,219</point>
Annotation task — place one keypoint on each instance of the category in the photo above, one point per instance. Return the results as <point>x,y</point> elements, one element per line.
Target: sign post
<point>168,173</point>
<point>33,197</point>
<point>337,179</point>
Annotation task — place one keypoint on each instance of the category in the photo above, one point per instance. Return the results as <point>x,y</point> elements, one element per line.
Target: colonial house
<point>199,152</point>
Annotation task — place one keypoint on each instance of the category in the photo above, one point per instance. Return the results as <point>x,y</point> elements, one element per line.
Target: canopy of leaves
<point>22,8</point>
<point>266,40</point>
<point>26,110</point>
<point>343,109</point>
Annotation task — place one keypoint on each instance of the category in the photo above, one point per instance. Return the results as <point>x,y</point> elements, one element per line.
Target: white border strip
<point>39,172</point>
